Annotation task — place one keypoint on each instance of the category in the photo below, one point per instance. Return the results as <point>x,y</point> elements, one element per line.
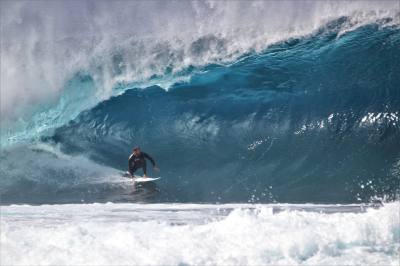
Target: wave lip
<point>194,234</point>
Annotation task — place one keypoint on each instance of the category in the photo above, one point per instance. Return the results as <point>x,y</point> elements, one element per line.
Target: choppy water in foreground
<point>200,234</point>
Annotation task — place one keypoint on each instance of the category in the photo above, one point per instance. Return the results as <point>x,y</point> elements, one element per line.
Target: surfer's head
<point>136,150</point>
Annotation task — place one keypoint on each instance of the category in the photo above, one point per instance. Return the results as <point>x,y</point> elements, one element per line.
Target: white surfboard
<point>140,179</point>
<point>144,179</point>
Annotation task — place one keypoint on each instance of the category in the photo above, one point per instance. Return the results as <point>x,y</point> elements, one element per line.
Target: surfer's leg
<point>144,166</point>
<point>133,169</point>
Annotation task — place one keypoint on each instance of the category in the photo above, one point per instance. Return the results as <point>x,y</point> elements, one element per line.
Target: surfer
<point>138,160</point>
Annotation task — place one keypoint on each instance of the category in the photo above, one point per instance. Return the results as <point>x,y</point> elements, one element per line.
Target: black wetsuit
<point>136,162</point>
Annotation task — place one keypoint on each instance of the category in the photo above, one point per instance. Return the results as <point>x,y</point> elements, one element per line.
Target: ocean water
<point>275,126</point>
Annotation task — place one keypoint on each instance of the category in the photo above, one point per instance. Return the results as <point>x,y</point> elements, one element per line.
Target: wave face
<point>309,119</point>
<point>107,234</point>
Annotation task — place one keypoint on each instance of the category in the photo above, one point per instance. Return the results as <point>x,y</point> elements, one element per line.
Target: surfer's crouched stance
<point>138,160</point>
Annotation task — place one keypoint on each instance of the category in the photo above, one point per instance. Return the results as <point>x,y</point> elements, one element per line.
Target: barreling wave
<point>314,118</point>
<point>60,58</point>
<point>310,119</point>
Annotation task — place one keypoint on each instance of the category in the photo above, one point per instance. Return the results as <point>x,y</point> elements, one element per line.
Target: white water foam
<point>196,234</point>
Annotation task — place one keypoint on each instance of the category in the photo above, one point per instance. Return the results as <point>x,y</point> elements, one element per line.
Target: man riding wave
<point>138,160</point>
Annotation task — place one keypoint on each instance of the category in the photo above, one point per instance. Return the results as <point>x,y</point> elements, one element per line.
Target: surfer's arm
<point>130,163</point>
<point>150,159</point>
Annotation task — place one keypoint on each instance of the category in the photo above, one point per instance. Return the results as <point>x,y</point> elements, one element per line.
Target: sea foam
<point>196,234</point>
